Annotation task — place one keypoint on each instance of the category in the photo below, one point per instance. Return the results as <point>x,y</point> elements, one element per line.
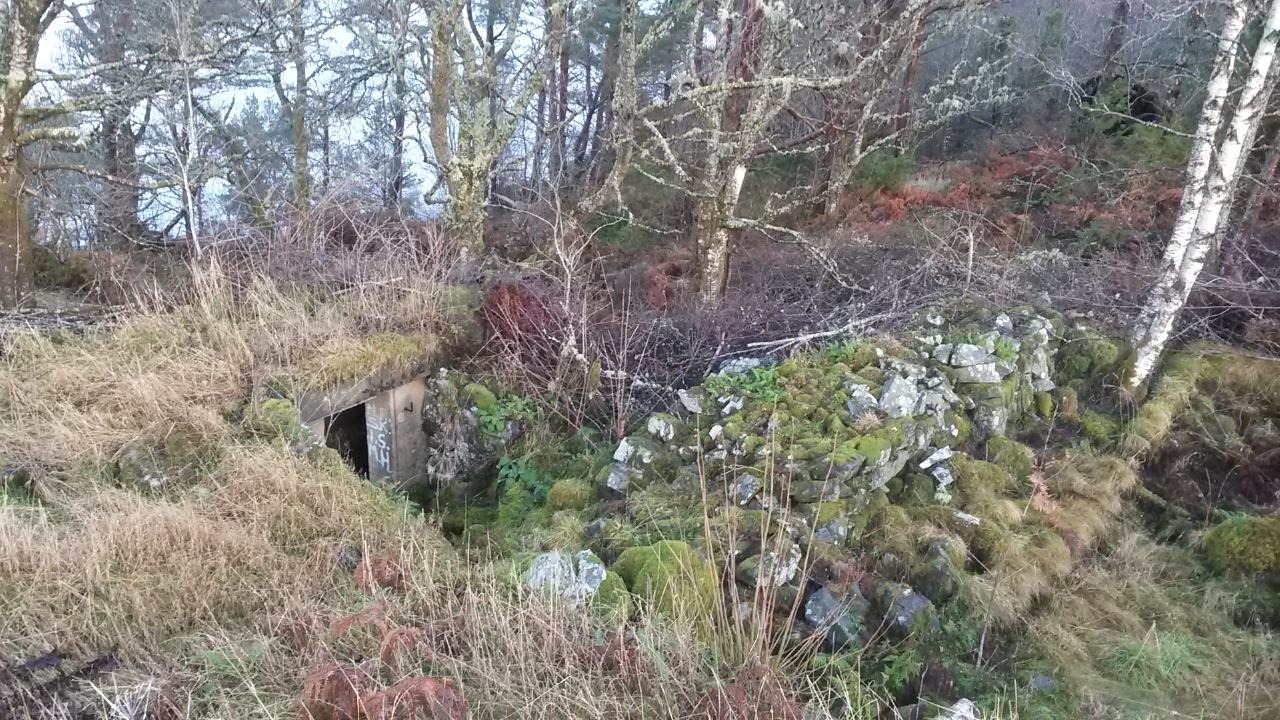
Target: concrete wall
<point>397,443</point>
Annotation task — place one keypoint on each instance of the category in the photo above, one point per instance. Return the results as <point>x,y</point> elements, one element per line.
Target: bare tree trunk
<point>119,200</point>
<point>715,237</point>
<point>1115,35</point>
<point>28,20</point>
<point>623,109</point>
<point>15,240</point>
<point>1235,247</point>
<point>1180,271</point>
<point>1231,219</point>
<point>539,139</point>
<point>560,111</point>
<point>400,92</point>
<point>301,138</point>
<point>909,79</point>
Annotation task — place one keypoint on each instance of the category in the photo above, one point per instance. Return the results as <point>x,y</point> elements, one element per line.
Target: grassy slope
<point>221,586</point>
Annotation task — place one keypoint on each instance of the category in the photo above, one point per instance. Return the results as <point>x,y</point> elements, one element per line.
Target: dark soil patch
<point>1199,477</point>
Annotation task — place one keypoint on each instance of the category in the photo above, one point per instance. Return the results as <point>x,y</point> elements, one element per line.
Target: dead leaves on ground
<point>756,694</point>
<point>386,570</point>
<point>336,692</point>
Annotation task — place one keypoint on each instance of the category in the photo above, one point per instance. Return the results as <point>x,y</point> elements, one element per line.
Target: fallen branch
<point>855,324</point>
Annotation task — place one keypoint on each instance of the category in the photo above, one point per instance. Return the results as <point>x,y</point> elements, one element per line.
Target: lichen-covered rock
<point>967,355</point>
<point>552,570</point>
<point>459,453</point>
<point>744,487</point>
<point>899,397</point>
<point>1248,545</point>
<point>839,612</point>
<point>773,568</point>
<point>589,575</point>
<point>861,400</point>
<point>936,575</point>
<point>662,427</point>
<point>991,420</point>
<point>641,461</point>
<point>673,577</point>
<point>575,578</point>
<point>990,372</point>
<point>906,612</point>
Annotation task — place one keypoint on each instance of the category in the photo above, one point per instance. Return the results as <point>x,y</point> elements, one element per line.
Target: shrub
<point>883,170</point>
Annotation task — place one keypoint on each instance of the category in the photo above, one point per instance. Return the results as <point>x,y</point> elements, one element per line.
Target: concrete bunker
<point>375,423</point>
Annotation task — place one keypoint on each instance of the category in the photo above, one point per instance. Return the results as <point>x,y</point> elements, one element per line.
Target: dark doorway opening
<point>347,433</point>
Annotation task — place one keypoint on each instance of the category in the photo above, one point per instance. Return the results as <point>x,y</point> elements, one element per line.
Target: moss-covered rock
<point>673,577</point>
<point>515,505</point>
<point>1068,404</point>
<point>612,600</point>
<point>1044,404</point>
<point>978,479</point>
<point>1013,456</point>
<point>569,494</point>
<point>1101,430</point>
<point>271,418</point>
<point>918,490</point>
<point>482,396</point>
<point>1089,356</point>
<point>1249,544</point>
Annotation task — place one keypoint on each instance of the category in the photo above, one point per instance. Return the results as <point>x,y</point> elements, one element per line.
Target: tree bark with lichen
<point>27,22</point>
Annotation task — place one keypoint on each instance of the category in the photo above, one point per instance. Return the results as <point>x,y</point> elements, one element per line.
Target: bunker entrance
<point>347,432</point>
<point>375,426</point>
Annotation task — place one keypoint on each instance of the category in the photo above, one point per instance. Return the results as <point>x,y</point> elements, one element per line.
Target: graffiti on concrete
<point>380,448</point>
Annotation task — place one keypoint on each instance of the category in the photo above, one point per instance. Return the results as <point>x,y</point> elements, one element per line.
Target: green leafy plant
<point>1005,349</point>
<point>883,170</point>
<point>757,384</point>
<point>493,419</point>
<point>842,351</point>
<point>513,471</point>
<point>900,668</point>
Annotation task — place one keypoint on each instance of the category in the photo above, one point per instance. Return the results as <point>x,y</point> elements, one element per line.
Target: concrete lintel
<point>319,404</point>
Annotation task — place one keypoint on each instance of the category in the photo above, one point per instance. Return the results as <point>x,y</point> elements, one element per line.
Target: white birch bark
<point>1180,272</point>
<point>1198,165</point>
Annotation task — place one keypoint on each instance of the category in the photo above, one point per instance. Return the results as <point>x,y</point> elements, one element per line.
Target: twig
<point>801,339</point>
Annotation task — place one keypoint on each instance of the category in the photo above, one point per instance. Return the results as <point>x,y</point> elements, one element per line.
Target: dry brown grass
<point>219,591</point>
<point>1135,628</point>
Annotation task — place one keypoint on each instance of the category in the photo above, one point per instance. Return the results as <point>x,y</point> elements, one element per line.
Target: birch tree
<point>1211,173</point>
<point>25,23</point>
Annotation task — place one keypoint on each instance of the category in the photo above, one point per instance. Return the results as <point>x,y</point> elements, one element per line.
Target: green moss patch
<point>673,577</point>
<point>1249,545</point>
<point>571,494</point>
<point>1013,456</point>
